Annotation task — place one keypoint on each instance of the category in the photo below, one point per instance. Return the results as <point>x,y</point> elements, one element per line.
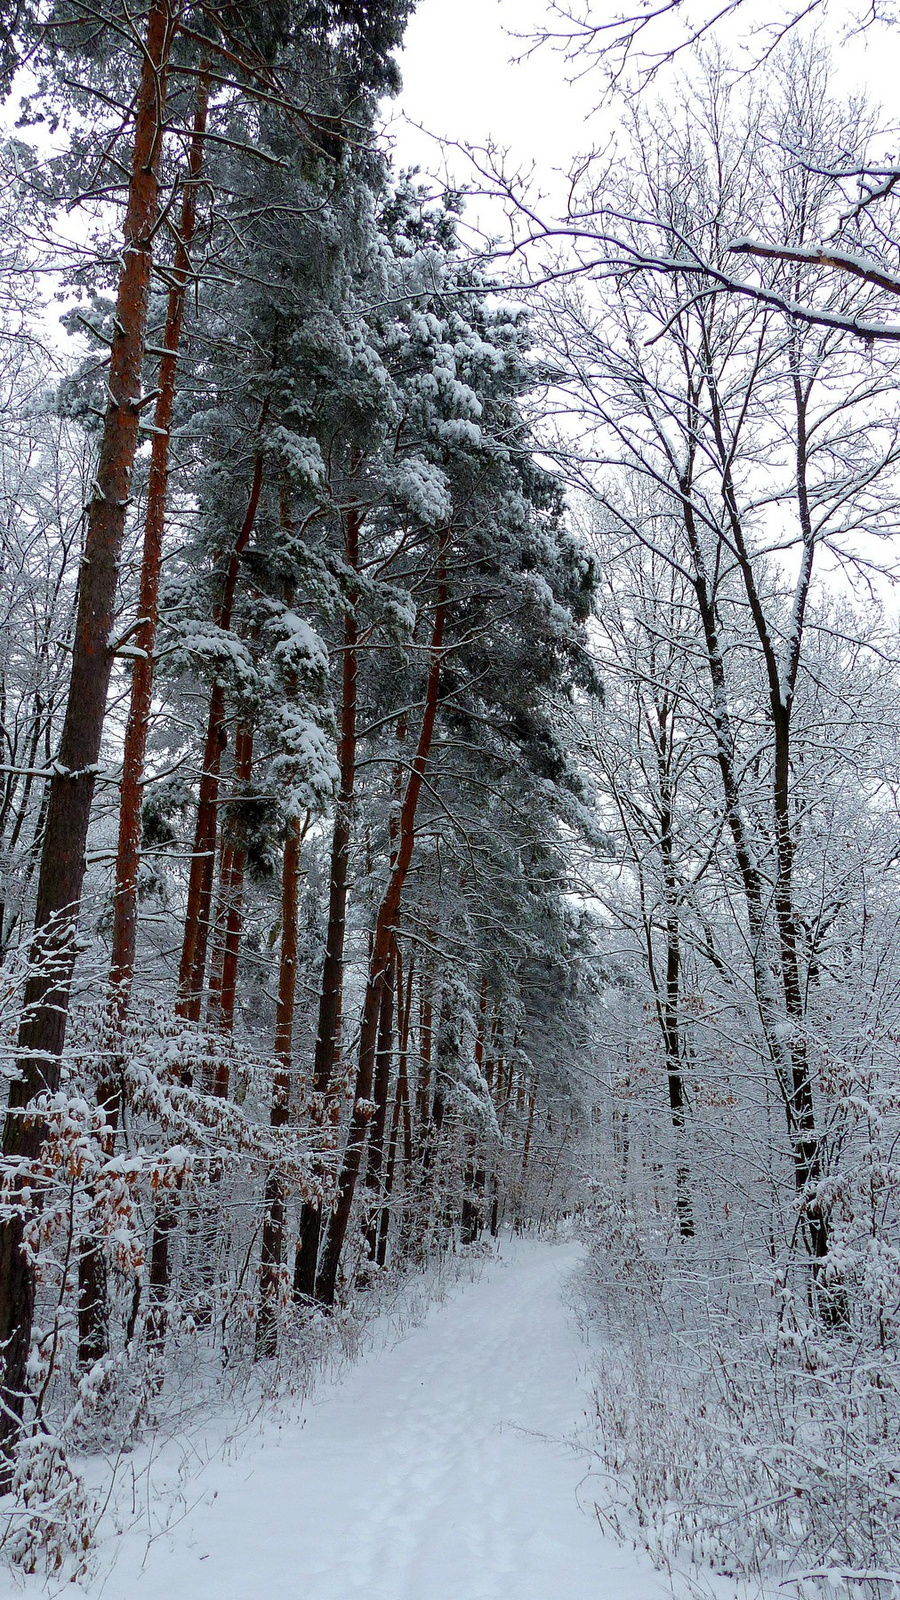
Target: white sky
<point>461,81</point>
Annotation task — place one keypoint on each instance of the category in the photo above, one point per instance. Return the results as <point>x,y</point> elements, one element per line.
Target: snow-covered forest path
<point>437,1469</point>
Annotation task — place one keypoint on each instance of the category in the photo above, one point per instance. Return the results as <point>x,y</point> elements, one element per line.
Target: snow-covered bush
<point>734,1432</point>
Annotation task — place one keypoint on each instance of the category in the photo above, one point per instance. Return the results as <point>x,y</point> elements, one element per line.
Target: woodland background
<point>449,780</point>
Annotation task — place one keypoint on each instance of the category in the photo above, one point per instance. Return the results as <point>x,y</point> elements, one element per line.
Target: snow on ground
<point>446,1467</point>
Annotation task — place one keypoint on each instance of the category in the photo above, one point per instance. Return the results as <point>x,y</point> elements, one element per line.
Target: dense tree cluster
<point>289,604</point>
<point>738,452</point>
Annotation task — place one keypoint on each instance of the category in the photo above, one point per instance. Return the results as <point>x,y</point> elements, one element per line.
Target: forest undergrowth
<point>132,1454</point>
<point>734,1437</point>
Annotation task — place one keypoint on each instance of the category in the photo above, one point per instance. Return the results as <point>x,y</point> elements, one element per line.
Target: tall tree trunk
<point>124,937</point>
<point>192,968</point>
<point>164,1222</point>
<point>422,1123</point>
<point>401,1109</point>
<point>380,1091</point>
<point>331,991</point>
<point>43,1028</point>
<point>384,933</point>
<point>788,1046</point>
<point>474,1177</point>
<point>220,924</point>
<point>401,1100</point>
<point>93,1311</point>
<point>273,1224</point>
<point>220,1015</point>
<point>670,1008</point>
<point>434,1196</point>
<point>526,1148</point>
<point>788,1056</point>
<point>502,1091</point>
<point>426,1039</point>
<point>223,979</point>
<point>200,885</point>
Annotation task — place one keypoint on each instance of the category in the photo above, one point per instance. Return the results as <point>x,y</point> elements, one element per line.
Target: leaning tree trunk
<point>384,933</point>
<point>331,992</point>
<point>43,1028</point>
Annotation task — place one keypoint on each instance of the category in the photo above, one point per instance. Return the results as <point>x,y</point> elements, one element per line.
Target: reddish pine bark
<point>330,994</point>
<point>384,933</point>
<point>42,1033</point>
<point>135,748</point>
<point>192,968</point>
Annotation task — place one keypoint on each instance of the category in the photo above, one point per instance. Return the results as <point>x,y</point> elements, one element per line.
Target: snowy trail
<point>434,1470</point>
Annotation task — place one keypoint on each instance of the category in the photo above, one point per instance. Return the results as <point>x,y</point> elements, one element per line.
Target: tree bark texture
<point>383,935</point>
<point>331,991</point>
<point>192,968</point>
<point>125,912</point>
<point>43,1029</point>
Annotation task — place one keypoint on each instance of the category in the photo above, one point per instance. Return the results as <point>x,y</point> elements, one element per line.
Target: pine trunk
<point>125,905</point>
<point>383,936</point>
<point>423,1125</point>
<point>330,994</point>
<point>43,1028</point>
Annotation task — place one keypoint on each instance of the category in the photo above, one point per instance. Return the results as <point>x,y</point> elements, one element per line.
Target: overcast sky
<point>461,81</point>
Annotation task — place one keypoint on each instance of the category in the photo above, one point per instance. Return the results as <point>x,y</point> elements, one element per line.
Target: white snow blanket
<point>446,1467</point>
